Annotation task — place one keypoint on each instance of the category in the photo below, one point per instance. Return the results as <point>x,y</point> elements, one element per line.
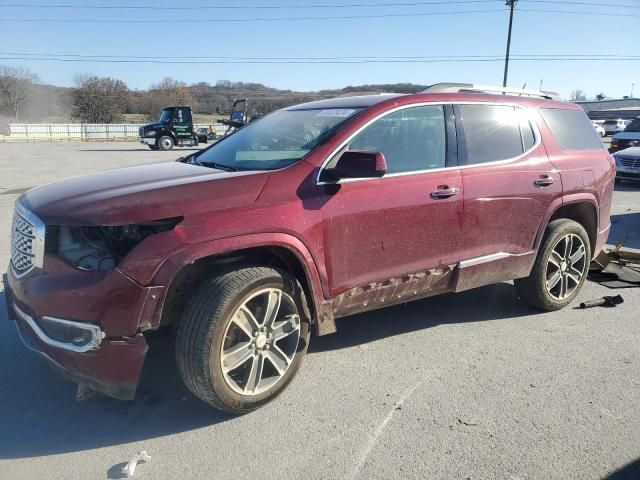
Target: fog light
<point>74,333</point>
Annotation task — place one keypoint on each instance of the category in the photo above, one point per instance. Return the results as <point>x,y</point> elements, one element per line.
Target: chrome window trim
<point>39,230</point>
<point>96,333</point>
<point>528,110</point>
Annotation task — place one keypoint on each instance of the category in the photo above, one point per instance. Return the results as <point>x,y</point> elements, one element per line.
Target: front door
<point>396,237</point>
<point>183,123</point>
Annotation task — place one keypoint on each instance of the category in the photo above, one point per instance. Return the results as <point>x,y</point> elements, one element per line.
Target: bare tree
<point>16,85</point>
<point>169,92</point>
<point>577,95</point>
<point>99,99</point>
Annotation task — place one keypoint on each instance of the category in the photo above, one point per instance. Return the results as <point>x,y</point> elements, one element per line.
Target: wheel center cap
<point>261,340</point>
<point>563,266</point>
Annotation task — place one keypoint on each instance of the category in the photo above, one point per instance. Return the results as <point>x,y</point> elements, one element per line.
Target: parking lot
<point>473,385</point>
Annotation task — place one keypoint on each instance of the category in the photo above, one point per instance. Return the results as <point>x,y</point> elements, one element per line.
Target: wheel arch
<point>582,209</point>
<point>187,268</point>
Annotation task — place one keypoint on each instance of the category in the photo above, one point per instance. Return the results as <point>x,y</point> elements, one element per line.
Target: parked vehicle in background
<point>598,128</point>
<point>205,134</point>
<point>174,128</point>
<point>628,164</point>
<point>312,213</point>
<point>629,138</point>
<point>612,127</point>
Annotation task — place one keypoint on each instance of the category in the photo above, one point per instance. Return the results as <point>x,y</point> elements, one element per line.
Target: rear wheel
<point>560,268</point>
<point>242,338</point>
<point>165,143</point>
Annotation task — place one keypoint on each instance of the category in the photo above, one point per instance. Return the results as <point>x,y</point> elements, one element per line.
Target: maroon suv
<point>312,213</point>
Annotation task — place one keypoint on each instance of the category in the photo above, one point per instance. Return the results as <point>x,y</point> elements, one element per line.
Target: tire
<point>214,330</point>
<point>165,143</point>
<point>542,288</point>
<point>153,147</point>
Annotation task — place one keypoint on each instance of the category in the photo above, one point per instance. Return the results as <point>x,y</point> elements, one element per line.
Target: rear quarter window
<point>571,129</point>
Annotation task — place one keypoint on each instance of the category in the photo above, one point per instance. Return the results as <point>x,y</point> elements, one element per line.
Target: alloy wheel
<point>260,342</point>
<point>566,265</point>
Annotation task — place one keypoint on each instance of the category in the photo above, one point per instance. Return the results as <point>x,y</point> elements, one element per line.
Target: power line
<point>294,7</point>
<point>325,62</point>
<point>243,7</point>
<point>357,57</point>
<point>244,20</point>
<point>290,19</point>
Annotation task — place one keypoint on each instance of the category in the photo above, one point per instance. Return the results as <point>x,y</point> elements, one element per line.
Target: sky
<point>440,33</point>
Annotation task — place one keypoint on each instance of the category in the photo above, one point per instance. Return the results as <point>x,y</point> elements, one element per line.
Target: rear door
<point>509,184</point>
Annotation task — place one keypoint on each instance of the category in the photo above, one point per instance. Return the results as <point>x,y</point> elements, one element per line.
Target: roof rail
<point>469,87</point>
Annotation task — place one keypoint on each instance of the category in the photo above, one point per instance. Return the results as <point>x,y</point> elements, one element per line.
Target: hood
<point>632,152</point>
<point>142,193</point>
<point>627,136</point>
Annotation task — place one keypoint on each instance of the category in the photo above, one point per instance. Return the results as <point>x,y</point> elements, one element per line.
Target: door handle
<point>444,192</point>
<point>544,181</point>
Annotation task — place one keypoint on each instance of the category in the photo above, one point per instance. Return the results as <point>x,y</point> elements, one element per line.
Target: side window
<point>528,138</point>
<point>182,115</point>
<point>411,139</point>
<point>571,129</point>
<point>492,132</point>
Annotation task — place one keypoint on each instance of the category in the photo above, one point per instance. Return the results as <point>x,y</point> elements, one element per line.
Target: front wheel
<point>242,338</point>
<point>560,268</point>
<point>165,143</point>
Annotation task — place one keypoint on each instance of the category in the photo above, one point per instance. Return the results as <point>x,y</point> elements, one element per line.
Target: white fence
<point>50,132</point>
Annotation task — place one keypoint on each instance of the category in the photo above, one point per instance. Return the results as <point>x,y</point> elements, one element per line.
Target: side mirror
<point>357,164</point>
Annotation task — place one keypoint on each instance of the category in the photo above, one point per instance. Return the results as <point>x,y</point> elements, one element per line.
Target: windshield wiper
<point>219,166</point>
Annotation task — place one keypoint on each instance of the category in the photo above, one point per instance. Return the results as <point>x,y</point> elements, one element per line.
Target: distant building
<point>624,108</point>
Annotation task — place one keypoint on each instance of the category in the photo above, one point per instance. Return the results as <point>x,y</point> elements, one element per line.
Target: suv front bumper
<point>110,361</point>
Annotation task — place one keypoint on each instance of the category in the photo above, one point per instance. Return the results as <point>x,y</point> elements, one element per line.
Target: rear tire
<point>560,268</point>
<point>237,361</point>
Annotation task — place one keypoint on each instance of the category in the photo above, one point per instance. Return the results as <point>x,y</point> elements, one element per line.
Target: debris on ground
<point>130,468</point>
<point>616,267</point>
<point>604,301</point>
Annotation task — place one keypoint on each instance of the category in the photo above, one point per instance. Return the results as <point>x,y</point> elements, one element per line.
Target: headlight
<point>101,248</point>
<point>150,133</point>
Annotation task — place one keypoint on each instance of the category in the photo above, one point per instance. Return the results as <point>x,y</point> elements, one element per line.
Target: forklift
<point>175,127</point>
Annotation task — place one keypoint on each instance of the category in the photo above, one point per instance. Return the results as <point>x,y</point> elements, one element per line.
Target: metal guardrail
<point>51,132</point>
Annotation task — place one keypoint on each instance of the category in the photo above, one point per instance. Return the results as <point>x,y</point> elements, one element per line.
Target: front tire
<point>242,338</point>
<point>165,143</point>
<point>560,268</point>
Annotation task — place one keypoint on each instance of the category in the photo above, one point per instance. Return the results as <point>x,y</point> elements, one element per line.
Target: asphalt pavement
<point>474,385</point>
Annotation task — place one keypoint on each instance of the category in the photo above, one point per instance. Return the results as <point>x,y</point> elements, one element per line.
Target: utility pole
<point>511,4</point>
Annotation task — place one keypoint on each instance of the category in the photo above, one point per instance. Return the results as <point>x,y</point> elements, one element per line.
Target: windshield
<point>633,126</point>
<point>277,140</point>
<point>165,116</point>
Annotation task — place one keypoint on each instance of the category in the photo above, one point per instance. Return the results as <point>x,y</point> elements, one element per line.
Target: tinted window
<point>410,139</point>
<point>528,138</point>
<point>571,129</point>
<point>634,126</point>
<point>492,132</point>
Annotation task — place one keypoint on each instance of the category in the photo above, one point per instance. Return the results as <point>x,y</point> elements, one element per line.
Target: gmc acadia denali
<point>309,214</point>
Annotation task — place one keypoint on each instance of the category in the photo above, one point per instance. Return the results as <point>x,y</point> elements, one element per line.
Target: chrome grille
<point>630,162</point>
<point>27,241</point>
